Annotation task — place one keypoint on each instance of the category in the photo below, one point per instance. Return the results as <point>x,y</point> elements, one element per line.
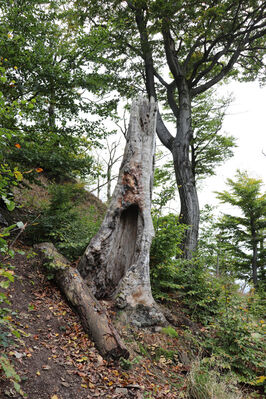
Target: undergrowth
<point>8,331</point>
<point>67,220</point>
<point>231,323</point>
<point>206,383</point>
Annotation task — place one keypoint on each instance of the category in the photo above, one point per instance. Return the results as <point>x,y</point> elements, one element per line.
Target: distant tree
<point>245,234</point>
<point>212,248</point>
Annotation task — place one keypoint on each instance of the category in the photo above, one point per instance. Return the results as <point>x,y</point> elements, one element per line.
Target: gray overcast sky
<point>246,120</point>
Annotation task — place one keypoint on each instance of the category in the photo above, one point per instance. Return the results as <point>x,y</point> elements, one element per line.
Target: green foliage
<point>7,179</point>
<point>164,249</point>
<point>65,221</point>
<point>195,287</point>
<point>236,337</point>
<point>212,248</point>
<point>127,364</point>
<point>209,147</point>
<point>168,236</point>
<point>206,383</point>
<point>6,325</point>
<point>232,321</point>
<point>11,374</point>
<point>233,324</point>
<point>245,234</point>
<point>164,188</point>
<point>171,274</point>
<point>170,331</point>
<point>48,69</point>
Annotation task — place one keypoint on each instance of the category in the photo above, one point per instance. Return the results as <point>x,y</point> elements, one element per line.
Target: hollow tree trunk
<point>116,262</point>
<point>93,316</point>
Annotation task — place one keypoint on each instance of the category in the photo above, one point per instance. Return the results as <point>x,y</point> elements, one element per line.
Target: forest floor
<point>55,359</point>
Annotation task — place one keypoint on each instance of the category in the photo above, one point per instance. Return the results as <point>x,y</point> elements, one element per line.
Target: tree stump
<point>115,264</point>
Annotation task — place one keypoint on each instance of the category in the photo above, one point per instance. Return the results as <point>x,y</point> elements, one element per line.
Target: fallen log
<point>94,318</point>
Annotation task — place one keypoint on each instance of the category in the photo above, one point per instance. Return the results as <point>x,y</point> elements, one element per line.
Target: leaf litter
<point>56,359</point>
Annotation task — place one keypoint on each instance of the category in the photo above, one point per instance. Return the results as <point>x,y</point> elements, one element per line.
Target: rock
<point>121,391</point>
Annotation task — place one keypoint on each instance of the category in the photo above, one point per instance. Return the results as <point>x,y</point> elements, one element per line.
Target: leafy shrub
<point>168,236</point>
<point>60,159</point>
<point>66,222</point>
<point>7,177</point>
<point>190,283</point>
<point>236,339</point>
<point>231,321</point>
<point>170,331</point>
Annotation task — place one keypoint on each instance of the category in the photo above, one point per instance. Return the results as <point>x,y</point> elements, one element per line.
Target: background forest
<point>67,69</point>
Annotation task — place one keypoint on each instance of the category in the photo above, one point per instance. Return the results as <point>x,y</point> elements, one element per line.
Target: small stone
<point>99,360</point>
<point>135,386</point>
<point>46,367</point>
<point>120,391</point>
<point>157,329</point>
<point>18,355</point>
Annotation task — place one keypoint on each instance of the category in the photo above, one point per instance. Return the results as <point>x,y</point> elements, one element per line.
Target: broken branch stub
<point>116,262</point>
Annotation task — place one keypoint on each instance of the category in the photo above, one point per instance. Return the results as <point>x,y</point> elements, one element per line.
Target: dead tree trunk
<point>93,316</point>
<point>116,262</point>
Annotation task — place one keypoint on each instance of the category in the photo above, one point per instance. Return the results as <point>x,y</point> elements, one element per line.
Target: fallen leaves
<point>67,358</point>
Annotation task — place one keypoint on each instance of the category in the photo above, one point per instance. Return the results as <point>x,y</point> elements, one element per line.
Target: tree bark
<point>93,316</point>
<point>116,262</point>
<point>189,212</point>
<point>254,255</point>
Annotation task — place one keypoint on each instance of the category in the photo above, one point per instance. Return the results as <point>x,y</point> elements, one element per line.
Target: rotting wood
<point>94,318</point>
<point>116,262</point>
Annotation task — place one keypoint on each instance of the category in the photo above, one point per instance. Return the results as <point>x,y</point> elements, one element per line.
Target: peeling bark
<point>116,262</point>
<point>93,316</point>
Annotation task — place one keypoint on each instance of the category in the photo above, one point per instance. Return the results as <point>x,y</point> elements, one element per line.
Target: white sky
<point>245,120</point>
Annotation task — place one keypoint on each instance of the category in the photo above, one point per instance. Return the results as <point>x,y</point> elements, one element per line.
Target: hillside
<point>55,359</point>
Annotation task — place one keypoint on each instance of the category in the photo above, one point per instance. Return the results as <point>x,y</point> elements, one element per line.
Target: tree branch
<point>163,133</point>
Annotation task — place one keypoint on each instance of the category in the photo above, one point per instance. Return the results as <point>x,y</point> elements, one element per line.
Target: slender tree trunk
<point>189,212</point>
<point>254,258</point>
<point>116,262</point>
<point>109,168</point>
<point>179,146</point>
